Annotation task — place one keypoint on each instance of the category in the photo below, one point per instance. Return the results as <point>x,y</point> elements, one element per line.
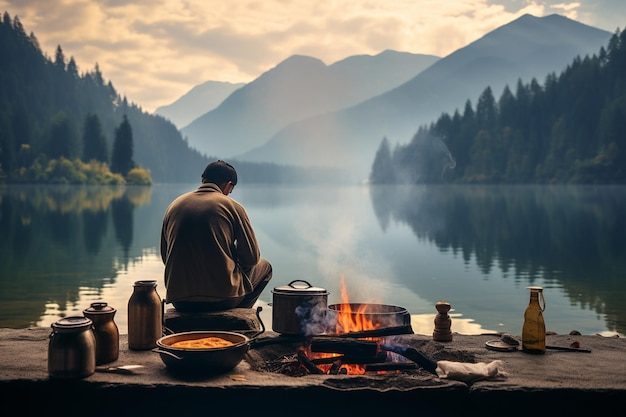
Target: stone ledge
<point>559,383</point>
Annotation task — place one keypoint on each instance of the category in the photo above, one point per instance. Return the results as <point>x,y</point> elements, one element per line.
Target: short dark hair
<point>219,172</point>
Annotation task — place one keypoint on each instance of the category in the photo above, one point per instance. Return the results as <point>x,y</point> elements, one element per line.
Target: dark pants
<point>259,276</point>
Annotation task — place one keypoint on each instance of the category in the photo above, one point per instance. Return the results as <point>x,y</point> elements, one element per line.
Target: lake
<point>476,247</point>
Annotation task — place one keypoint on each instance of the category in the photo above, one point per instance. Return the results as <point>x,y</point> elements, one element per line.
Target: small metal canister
<point>106,332</point>
<point>145,316</point>
<point>72,348</point>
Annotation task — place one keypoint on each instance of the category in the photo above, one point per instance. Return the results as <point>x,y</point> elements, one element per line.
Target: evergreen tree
<point>63,141</point>
<point>97,76</point>
<point>72,69</point>
<point>486,110</point>
<point>59,58</point>
<point>383,170</point>
<point>570,130</point>
<point>424,160</point>
<point>94,142</point>
<point>35,88</point>
<point>122,156</point>
<point>19,28</point>
<point>461,144</point>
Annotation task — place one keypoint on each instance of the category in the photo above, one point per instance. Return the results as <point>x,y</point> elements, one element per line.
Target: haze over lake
<point>476,247</point>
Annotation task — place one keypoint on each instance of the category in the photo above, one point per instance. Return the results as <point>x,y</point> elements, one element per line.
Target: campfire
<point>356,356</point>
<point>359,339</point>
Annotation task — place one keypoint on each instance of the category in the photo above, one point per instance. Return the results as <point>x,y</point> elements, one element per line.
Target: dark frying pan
<point>205,361</point>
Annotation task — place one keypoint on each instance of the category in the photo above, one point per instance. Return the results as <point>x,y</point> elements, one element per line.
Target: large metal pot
<point>379,315</point>
<point>205,361</point>
<point>299,308</point>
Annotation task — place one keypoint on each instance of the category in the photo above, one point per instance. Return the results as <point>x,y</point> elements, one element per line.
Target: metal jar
<point>299,308</point>
<point>106,332</point>
<point>145,316</point>
<point>72,348</point>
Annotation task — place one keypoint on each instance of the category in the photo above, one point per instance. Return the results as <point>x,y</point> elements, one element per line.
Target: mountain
<point>197,101</point>
<point>45,104</point>
<point>294,90</point>
<point>373,75</point>
<point>529,47</point>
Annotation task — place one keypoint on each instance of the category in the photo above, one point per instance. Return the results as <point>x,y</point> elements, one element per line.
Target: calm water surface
<point>62,248</point>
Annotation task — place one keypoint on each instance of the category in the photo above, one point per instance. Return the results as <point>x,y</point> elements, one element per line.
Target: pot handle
<point>298,280</point>
<point>157,350</point>
<point>258,316</point>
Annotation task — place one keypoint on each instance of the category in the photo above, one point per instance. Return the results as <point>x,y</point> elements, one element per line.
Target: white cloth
<point>470,372</point>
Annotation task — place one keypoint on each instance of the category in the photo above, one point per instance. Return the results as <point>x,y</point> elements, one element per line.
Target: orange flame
<point>349,319</point>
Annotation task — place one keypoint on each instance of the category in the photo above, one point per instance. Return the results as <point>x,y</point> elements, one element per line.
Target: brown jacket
<point>207,242</point>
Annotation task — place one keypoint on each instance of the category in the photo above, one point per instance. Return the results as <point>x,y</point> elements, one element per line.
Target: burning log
<point>280,340</point>
<point>336,367</point>
<point>381,332</point>
<point>327,360</point>
<point>390,366</point>
<point>386,331</point>
<point>414,355</point>
<point>306,362</point>
<point>362,348</point>
<point>351,360</point>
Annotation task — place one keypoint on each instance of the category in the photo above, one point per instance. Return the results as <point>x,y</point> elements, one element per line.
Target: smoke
<point>333,241</point>
<point>313,316</point>
<point>332,224</point>
<point>443,153</point>
<point>426,159</point>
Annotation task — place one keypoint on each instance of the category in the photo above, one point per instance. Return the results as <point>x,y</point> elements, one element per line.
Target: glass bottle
<point>145,316</point>
<point>534,329</point>
<point>106,332</point>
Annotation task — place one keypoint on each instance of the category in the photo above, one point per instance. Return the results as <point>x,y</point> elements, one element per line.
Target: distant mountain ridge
<point>297,88</point>
<point>529,47</point>
<point>199,100</point>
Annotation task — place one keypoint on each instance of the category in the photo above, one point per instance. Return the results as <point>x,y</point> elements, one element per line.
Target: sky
<point>155,51</point>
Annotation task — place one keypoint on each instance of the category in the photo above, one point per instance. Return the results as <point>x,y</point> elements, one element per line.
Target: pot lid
<point>145,283</point>
<point>99,308</point>
<point>300,287</point>
<point>72,324</point>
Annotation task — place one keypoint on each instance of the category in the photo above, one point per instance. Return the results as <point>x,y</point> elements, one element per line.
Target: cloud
<point>154,51</point>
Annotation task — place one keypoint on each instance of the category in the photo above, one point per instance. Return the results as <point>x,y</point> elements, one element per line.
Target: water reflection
<point>56,241</point>
<point>63,247</point>
<point>568,237</point>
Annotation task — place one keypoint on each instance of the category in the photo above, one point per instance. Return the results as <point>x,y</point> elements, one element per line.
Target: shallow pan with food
<point>202,360</point>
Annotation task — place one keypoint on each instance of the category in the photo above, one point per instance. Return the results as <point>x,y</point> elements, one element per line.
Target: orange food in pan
<point>204,343</point>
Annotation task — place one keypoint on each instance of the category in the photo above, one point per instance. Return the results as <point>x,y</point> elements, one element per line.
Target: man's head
<point>221,173</point>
